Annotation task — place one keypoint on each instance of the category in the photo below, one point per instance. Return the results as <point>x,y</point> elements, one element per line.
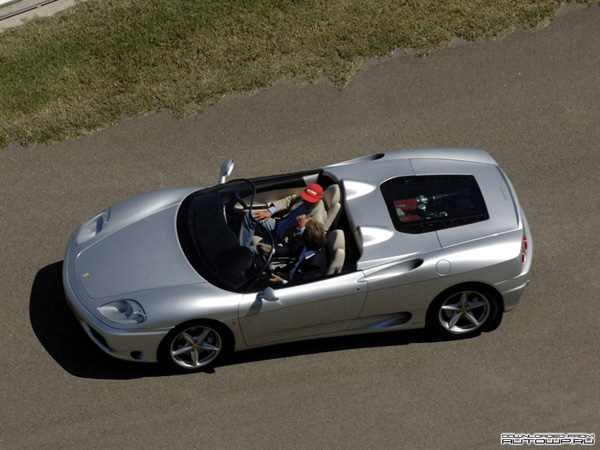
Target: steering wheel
<point>269,258</point>
<point>241,200</point>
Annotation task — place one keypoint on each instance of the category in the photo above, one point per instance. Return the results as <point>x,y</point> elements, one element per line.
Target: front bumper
<point>123,344</point>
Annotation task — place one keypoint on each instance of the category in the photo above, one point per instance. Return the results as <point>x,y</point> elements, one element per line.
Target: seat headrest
<point>331,196</point>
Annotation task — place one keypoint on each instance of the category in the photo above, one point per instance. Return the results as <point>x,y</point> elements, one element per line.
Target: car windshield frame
<point>210,243</point>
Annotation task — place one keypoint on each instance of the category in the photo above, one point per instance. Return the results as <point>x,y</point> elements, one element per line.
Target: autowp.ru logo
<point>547,439</point>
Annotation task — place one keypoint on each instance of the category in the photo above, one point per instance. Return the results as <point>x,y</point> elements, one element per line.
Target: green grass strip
<point>104,60</point>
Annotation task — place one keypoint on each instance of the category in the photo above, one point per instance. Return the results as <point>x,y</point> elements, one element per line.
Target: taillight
<point>523,255</point>
<point>525,242</point>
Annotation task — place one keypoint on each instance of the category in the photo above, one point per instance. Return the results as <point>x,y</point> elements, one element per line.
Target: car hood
<point>144,254</point>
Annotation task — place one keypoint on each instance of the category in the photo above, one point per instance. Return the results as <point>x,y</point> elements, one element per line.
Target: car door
<point>402,288</point>
<point>312,309</point>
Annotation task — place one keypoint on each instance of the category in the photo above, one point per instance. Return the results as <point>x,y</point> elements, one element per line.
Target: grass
<point>104,60</point>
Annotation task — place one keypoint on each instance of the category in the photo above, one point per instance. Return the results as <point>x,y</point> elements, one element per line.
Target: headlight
<point>92,227</point>
<point>124,312</point>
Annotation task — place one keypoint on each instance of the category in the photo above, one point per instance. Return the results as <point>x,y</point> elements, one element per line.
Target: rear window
<point>420,204</point>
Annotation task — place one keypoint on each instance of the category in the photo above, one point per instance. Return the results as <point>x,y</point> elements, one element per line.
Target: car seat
<point>335,245</point>
<point>331,200</point>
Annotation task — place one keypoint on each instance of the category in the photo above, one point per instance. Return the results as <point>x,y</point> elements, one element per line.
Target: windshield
<point>208,224</point>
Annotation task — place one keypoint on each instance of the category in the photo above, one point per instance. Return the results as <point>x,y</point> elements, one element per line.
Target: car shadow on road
<point>332,344</point>
<point>64,339</point>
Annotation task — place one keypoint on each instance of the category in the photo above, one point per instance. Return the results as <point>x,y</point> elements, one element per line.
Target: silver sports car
<point>415,238</point>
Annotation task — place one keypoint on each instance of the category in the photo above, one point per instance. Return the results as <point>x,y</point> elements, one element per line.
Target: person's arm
<point>285,203</point>
<point>279,205</point>
<point>276,279</point>
<point>263,214</point>
<point>302,221</point>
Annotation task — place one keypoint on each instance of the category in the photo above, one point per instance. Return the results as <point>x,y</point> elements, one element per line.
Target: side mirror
<point>226,170</point>
<point>269,295</point>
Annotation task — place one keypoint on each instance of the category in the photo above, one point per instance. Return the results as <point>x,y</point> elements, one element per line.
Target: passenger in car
<point>308,203</point>
<point>311,257</point>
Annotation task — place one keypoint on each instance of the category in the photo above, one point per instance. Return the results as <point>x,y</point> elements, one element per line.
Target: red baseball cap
<point>313,193</point>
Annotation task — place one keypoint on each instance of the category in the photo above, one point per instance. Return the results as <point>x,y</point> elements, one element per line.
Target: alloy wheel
<point>464,312</point>
<point>195,347</point>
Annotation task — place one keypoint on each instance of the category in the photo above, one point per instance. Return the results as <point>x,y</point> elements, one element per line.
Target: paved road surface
<point>15,12</point>
<point>532,99</point>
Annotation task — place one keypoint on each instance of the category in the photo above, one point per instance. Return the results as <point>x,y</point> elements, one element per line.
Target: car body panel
<point>369,215</point>
<point>140,206</point>
<point>390,281</point>
<point>302,312</point>
<point>145,248</point>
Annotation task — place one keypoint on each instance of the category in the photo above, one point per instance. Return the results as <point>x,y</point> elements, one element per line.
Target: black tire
<point>463,311</point>
<point>195,346</point>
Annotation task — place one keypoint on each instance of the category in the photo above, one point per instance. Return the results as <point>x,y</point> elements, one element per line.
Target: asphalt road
<point>532,99</point>
<point>15,12</point>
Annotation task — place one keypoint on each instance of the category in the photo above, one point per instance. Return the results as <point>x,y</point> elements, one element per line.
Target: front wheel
<point>463,311</point>
<point>194,346</point>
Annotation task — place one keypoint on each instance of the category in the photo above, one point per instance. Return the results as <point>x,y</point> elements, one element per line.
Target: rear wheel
<point>194,346</point>
<point>463,311</point>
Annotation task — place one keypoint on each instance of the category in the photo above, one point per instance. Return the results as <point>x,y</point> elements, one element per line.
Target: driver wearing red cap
<point>295,211</point>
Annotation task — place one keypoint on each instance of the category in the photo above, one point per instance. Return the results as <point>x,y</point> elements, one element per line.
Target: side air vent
<point>362,159</point>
